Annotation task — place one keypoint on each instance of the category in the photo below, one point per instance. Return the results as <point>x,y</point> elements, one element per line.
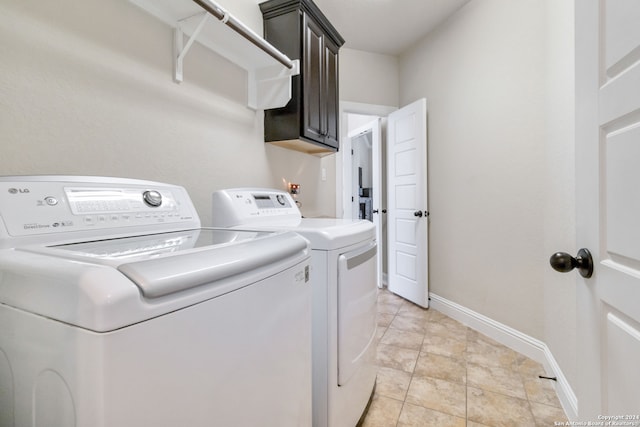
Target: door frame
<point>374,129</point>
<point>344,167</point>
<point>345,144</point>
<point>586,79</point>
<point>348,189</point>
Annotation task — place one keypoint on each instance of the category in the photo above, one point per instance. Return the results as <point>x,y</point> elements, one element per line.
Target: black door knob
<point>418,214</point>
<point>375,211</point>
<point>563,262</point>
<point>384,211</point>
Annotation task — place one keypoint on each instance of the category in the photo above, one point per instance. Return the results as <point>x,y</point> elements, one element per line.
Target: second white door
<point>407,227</point>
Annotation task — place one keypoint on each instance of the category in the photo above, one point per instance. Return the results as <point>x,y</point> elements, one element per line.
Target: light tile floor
<point>434,371</point>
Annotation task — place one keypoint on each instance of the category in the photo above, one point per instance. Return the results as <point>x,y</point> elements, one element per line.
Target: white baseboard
<point>516,340</point>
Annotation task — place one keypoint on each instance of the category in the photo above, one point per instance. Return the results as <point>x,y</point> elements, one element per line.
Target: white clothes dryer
<point>117,309</point>
<point>343,279</point>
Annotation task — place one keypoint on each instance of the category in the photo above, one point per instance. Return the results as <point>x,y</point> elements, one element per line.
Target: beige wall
<point>483,76</point>
<point>86,88</point>
<point>498,87</point>
<point>369,78</point>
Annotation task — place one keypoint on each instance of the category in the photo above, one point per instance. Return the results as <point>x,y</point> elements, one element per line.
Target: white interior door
<point>407,228</point>
<point>608,206</point>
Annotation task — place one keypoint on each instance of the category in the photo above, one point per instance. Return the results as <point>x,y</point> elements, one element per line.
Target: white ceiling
<point>386,26</point>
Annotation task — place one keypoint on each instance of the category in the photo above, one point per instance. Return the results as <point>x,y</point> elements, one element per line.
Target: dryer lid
<point>324,234</point>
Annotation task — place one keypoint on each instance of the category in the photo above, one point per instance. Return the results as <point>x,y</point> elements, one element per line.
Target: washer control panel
<point>34,206</point>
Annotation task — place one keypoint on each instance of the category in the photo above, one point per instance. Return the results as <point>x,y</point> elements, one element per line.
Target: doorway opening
<point>362,173</point>
<point>361,193</point>
<point>402,248</point>
<point>353,116</point>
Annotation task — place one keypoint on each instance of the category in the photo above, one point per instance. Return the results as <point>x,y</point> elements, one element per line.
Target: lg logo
<point>18,190</point>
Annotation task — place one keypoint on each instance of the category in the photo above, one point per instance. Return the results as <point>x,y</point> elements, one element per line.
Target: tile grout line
<point>405,396</point>
<point>466,378</point>
<point>526,393</point>
<point>404,401</point>
<point>413,372</point>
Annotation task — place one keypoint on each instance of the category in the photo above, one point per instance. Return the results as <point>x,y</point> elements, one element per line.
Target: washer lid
<point>118,251</point>
<point>108,284</point>
<point>166,263</point>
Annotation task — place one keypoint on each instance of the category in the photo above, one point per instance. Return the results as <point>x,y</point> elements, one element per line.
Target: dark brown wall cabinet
<point>309,122</point>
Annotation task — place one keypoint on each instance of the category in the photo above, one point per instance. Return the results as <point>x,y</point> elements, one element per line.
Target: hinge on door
<point>352,198</point>
<point>352,151</point>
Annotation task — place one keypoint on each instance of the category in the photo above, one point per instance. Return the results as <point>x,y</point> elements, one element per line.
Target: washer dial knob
<point>152,198</point>
<point>280,198</point>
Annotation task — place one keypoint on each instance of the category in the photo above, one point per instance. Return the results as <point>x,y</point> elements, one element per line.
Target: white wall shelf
<point>269,71</point>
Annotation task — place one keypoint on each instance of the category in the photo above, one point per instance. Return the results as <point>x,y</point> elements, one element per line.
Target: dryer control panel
<point>247,206</point>
<point>58,204</point>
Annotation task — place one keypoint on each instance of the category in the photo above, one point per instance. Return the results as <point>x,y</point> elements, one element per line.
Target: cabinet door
<point>331,107</point>
<point>281,124</point>
<point>313,86</point>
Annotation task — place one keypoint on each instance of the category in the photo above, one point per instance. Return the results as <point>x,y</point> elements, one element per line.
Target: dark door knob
<point>418,214</point>
<point>384,211</point>
<point>563,262</point>
<point>375,211</point>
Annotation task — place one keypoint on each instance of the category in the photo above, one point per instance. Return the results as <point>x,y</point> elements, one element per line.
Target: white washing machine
<point>117,309</point>
<point>343,277</point>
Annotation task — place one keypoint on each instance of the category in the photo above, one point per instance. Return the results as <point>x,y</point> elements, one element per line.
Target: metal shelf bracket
<point>269,70</point>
